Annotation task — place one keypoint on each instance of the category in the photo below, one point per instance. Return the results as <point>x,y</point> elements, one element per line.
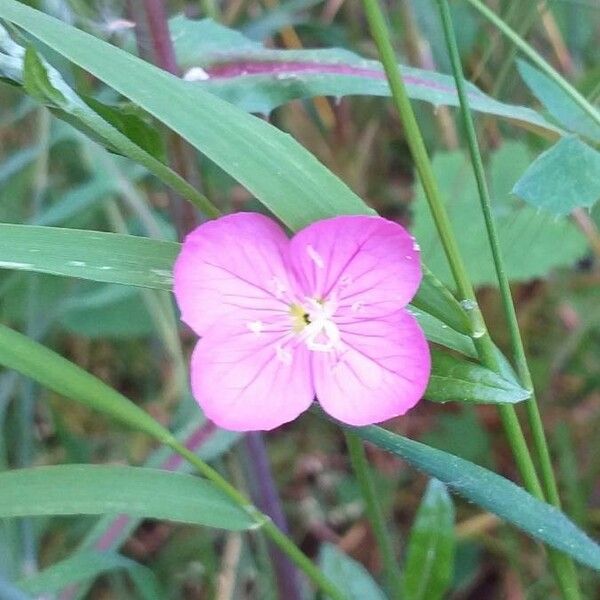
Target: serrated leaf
<point>430,555</point>
<point>522,230</point>
<point>564,177</point>
<point>98,489</point>
<point>348,575</point>
<point>460,380</point>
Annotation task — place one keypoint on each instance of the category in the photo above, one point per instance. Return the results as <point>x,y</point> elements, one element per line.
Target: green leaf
<point>129,121</point>
<point>439,333</point>
<point>559,104</point>
<point>430,556</point>
<point>458,379</point>
<point>564,177</point>
<point>348,575</point>
<point>492,493</point>
<point>99,489</point>
<point>522,230</point>
<point>89,565</point>
<point>434,298</point>
<point>108,257</point>
<point>56,373</point>
<point>259,79</point>
<point>37,80</point>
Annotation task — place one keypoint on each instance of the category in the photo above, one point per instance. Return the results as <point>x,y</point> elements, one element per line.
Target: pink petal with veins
<point>380,371</point>
<point>232,266</point>
<point>248,381</point>
<point>366,263</point>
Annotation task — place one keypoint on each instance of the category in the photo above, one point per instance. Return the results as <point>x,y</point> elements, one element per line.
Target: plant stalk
<point>563,565</point>
<point>381,531</point>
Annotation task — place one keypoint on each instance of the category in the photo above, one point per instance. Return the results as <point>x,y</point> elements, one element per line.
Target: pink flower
<point>284,320</point>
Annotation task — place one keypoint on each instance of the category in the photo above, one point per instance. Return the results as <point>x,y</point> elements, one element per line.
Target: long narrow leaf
<point>99,489</point>
<point>493,493</point>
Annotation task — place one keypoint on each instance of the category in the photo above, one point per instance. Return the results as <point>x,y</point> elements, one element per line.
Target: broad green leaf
<point>259,79</point>
<point>492,493</point>
<point>56,373</point>
<point>430,556</point>
<point>461,380</point>
<point>523,231</point>
<point>89,565</point>
<point>567,112</point>
<point>108,257</point>
<point>99,489</point>
<point>564,177</point>
<point>348,575</point>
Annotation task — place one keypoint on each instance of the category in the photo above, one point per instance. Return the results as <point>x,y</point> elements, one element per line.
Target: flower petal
<point>232,266</point>
<point>366,263</point>
<point>247,380</point>
<point>380,371</point>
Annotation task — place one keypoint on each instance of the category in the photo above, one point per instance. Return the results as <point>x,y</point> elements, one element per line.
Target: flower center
<point>315,325</point>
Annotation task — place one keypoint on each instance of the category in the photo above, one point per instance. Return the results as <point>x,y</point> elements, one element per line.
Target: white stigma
<point>321,334</point>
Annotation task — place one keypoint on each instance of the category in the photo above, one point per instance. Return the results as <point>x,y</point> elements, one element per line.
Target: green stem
<point>374,512</point>
<point>282,541</point>
<point>481,338</point>
<point>516,39</point>
<point>565,572</point>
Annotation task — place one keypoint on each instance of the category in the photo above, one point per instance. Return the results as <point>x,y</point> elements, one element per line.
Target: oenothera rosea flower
<point>284,321</point>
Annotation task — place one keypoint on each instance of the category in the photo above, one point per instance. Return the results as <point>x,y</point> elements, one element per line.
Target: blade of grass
<point>380,529</point>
